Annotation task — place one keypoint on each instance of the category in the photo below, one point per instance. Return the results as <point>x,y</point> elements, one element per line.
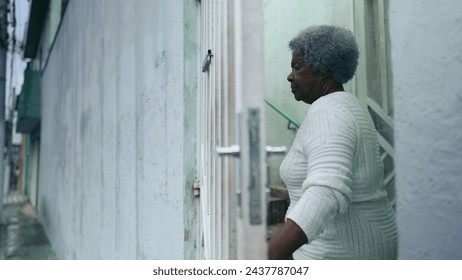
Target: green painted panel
<point>29,102</point>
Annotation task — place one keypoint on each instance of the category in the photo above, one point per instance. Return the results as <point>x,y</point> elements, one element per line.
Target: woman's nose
<point>290,77</point>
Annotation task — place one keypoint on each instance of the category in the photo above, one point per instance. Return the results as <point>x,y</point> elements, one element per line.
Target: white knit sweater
<point>334,175</point>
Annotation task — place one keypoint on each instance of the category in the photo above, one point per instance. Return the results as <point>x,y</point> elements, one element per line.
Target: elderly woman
<point>339,207</point>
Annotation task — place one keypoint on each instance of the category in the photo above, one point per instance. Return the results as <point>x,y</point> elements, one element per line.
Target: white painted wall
<point>427,69</point>
<point>116,114</point>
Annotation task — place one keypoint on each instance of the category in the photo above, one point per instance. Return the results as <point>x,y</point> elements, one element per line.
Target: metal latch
<point>197,188</point>
<point>207,61</point>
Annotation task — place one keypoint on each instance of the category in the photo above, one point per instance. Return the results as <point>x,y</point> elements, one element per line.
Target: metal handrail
<point>284,114</point>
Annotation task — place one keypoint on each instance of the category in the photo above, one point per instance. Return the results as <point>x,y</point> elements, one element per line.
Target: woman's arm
<point>286,241</point>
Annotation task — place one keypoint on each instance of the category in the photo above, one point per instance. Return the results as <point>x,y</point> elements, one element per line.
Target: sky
<point>15,61</point>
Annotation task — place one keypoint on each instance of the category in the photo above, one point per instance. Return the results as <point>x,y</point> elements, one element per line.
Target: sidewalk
<point>22,237</point>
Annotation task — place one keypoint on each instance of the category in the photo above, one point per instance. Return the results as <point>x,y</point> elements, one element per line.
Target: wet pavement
<point>22,237</point>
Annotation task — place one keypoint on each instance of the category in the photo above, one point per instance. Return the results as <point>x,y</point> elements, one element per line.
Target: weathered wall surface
<point>427,68</point>
<point>112,150</point>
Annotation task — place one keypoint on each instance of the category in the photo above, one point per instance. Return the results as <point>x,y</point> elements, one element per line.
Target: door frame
<point>230,106</point>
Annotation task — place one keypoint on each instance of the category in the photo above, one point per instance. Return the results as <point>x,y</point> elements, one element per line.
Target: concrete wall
<point>283,20</point>
<point>115,113</point>
<point>427,69</point>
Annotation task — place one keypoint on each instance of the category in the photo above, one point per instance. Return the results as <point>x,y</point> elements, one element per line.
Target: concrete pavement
<point>22,237</point>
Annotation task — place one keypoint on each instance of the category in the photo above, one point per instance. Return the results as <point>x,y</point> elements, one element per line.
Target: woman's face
<point>305,84</point>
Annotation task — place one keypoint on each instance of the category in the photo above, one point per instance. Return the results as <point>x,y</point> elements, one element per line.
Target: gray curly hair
<point>329,50</point>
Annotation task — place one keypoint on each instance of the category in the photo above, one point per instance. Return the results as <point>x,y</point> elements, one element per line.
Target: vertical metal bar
<point>199,140</point>
<point>230,136</point>
<point>212,139</point>
<point>207,139</point>
<point>218,130</point>
<point>360,79</point>
<point>223,125</point>
<point>380,31</point>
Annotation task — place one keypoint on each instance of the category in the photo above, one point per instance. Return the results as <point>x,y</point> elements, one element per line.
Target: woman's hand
<point>285,241</point>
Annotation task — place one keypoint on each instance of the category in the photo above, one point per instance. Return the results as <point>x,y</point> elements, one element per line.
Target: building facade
<point>116,127</point>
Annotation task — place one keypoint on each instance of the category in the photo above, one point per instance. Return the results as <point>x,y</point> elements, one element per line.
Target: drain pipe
<point>3,50</point>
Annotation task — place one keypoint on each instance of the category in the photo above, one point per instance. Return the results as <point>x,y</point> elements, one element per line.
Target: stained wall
<point>427,66</point>
<point>117,119</point>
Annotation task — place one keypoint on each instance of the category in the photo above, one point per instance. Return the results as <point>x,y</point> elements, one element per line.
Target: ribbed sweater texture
<point>334,175</point>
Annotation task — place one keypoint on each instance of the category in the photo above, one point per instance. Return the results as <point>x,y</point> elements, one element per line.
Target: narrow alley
<point>22,237</point>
